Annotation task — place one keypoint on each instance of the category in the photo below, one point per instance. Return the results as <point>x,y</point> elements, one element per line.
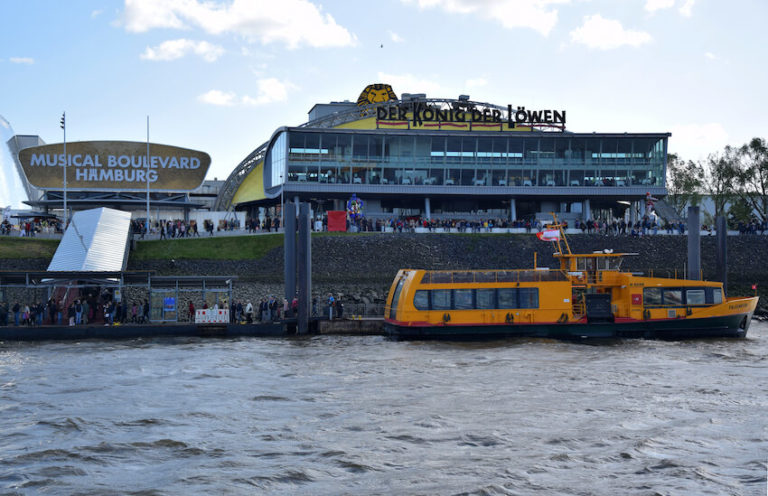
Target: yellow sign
<point>376,93</point>
<point>115,165</point>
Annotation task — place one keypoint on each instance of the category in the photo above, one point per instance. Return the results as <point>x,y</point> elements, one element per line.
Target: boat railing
<point>492,276</point>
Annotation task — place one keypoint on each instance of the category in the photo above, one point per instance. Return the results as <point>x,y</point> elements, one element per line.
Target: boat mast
<point>562,235</point>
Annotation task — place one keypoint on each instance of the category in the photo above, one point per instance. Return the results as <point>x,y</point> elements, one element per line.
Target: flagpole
<point>64,127</point>
<point>148,169</point>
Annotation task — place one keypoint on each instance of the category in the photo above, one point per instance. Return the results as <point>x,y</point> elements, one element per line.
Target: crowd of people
<point>80,311</point>
<point>270,309</point>
<point>31,227</point>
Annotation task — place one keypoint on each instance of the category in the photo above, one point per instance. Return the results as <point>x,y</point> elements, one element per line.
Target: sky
<point>221,76</point>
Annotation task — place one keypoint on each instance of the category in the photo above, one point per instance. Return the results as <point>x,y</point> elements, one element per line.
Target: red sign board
<point>637,299</point>
<point>337,220</point>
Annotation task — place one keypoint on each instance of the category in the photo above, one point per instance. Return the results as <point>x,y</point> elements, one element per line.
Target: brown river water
<point>365,415</point>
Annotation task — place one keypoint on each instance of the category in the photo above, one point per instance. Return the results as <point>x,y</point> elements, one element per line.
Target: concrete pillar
<point>305,268</point>
<point>289,251</point>
<point>512,209</point>
<point>586,210</point>
<point>427,209</point>
<point>694,244</point>
<point>296,202</point>
<point>722,251</point>
<point>633,212</point>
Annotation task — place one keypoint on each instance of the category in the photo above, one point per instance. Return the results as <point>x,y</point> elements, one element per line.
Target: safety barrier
<point>212,316</point>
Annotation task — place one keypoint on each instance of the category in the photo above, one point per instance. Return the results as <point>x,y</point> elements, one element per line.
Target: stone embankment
<point>361,267</point>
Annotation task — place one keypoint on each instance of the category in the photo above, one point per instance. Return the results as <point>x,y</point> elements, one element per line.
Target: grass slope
<point>17,248</point>
<point>222,248</point>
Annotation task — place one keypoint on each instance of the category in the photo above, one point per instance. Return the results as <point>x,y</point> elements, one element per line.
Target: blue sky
<point>221,76</point>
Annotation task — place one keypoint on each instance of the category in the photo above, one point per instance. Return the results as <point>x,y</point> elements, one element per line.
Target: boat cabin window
<point>421,300</point>
<point>672,297</point>
<point>476,299</point>
<point>598,263</point>
<point>485,298</point>
<point>396,298</point>
<point>462,299</point>
<point>676,297</point>
<point>652,296</point>
<point>441,299</point>
<point>695,297</point>
<point>717,296</point>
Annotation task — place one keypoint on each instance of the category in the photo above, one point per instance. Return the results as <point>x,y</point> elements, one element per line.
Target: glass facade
<point>514,159</point>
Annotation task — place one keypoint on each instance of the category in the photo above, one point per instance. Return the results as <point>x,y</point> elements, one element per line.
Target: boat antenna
<point>557,225</point>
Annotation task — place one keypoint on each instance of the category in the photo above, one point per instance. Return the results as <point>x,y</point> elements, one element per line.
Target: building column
<point>586,211</point>
<point>427,209</point>
<point>633,212</point>
<point>512,209</point>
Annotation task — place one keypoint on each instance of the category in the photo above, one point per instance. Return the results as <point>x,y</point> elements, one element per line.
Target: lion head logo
<point>376,93</point>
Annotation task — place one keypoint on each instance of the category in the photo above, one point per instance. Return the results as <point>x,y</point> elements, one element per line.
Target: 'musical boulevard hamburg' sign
<point>115,165</point>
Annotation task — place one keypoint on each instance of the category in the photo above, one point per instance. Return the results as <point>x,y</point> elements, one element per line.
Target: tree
<point>751,176</point>
<point>684,183</point>
<point>719,178</point>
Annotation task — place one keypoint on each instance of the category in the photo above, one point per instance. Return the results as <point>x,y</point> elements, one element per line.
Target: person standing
<point>191,311</point>
<point>331,304</point>
<point>249,312</point>
<point>146,311</point>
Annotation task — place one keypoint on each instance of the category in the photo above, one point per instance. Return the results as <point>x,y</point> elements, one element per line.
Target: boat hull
<point>728,326</point>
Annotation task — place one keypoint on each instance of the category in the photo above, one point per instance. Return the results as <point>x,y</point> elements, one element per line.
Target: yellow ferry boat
<point>587,297</point>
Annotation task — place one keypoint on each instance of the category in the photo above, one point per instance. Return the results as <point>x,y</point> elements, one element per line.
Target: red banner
<point>337,220</point>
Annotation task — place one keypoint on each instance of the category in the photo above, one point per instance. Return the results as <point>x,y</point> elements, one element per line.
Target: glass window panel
<point>695,297</point>
<point>462,299</point>
<point>529,297</point>
<point>717,296</point>
<point>485,298</point>
<point>441,299</point>
<point>652,296</point>
<point>421,300</point>
<point>360,148</point>
<point>507,298</point>
<point>673,297</point>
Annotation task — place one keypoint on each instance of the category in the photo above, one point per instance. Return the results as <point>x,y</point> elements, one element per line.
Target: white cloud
<point>606,34</point>
<point>408,83</point>
<point>475,83</point>
<point>176,49</point>
<point>696,141</point>
<point>270,90</point>
<point>395,37</point>
<point>96,13</point>
<point>710,56</point>
<point>654,5</point>
<point>292,22</point>
<point>687,8</point>
<point>22,60</point>
<point>217,97</point>
<point>535,14</point>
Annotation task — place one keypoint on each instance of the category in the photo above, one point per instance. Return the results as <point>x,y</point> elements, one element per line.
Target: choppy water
<point>329,415</point>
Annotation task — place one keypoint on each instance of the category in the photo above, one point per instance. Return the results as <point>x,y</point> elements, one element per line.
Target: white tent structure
<point>96,240</point>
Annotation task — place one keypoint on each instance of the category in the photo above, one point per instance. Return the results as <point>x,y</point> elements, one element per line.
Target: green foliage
<point>684,183</point>
<point>215,248</point>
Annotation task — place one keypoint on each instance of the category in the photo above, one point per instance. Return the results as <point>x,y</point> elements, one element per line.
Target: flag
<point>549,235</point>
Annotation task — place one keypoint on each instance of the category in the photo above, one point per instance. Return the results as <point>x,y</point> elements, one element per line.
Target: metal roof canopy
<point>95,240</point>
<point>139,278</point>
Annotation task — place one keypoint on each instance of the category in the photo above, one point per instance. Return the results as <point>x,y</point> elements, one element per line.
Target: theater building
<point>449,158</point>
<point>116,174</point>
